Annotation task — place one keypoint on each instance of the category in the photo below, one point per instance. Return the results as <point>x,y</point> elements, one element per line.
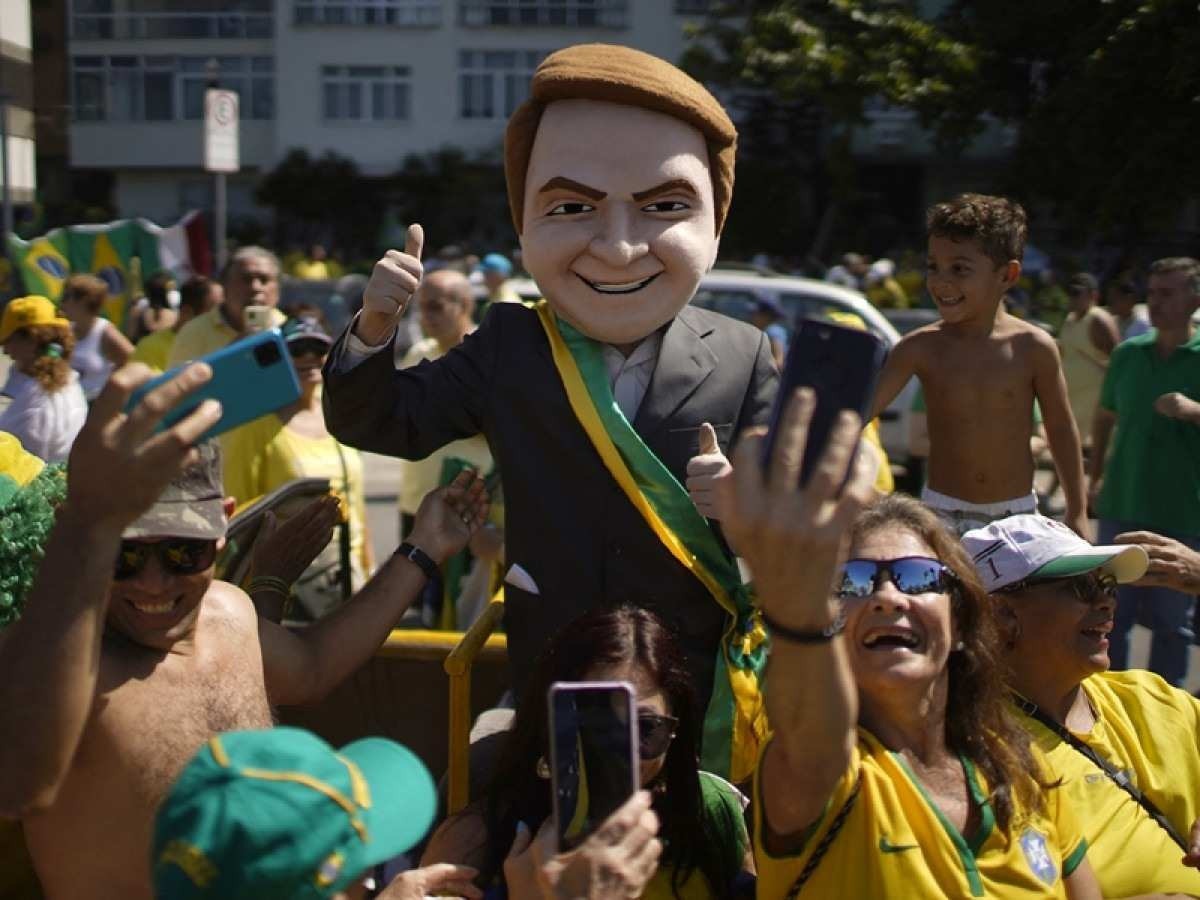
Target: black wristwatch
<point>796,636</point>
<point>423,560</point>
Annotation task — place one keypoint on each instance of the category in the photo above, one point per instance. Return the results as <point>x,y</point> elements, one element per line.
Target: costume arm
<point>412,412</point>
<point>760,395</point>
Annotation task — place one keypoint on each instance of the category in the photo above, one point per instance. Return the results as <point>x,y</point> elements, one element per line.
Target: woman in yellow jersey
<point>294,443</point>
<point>1056,595</point>
<point>895,767</point>
<point>705,849</point>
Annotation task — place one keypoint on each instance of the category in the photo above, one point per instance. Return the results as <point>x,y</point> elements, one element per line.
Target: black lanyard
<point>1118,777</point>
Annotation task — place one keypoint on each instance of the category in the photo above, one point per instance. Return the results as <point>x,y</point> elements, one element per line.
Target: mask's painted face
<point>618,219</point>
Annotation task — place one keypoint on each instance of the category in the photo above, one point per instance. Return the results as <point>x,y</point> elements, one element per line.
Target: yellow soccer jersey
<point>1149,729</point>
<point>896,843</point>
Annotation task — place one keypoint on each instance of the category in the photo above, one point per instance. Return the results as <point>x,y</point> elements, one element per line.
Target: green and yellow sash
<point>735,722</point>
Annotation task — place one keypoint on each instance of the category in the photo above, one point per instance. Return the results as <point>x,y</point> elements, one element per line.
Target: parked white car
<point>735,293</point>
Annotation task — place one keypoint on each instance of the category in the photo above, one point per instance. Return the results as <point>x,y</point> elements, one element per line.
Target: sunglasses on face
<point>305,347</point>
<point>909,574</point>
<point>1088,588</point>
<point>655,734</point>
<point>179,556</point>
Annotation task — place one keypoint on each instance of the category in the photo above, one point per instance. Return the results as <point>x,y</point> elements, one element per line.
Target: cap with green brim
<point>1022,547</point>
<point>281,814</point>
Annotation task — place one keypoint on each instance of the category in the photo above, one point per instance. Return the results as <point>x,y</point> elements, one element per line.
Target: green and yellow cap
<point>281,814</point>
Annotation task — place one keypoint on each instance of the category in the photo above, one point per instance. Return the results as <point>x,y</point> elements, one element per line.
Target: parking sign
<point>220,130</point>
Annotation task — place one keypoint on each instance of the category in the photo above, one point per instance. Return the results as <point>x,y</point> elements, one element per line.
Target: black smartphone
<point>842,366</point>
<point>593,749</point>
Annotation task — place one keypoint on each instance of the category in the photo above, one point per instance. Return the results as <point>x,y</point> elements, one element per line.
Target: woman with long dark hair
<point>895,767</point>
<point>703,835</point>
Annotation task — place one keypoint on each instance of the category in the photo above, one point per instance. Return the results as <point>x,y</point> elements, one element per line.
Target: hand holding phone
<point>593,748</point>
<point>842,366</point>
<point>250,377</point>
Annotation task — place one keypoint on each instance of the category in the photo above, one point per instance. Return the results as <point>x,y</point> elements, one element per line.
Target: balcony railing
<point>403,14</point>
<point>146,25</point>
<point>544,13</point>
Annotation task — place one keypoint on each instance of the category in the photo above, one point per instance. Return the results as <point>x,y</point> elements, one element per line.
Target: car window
<point>809,306</point>
<point>733,303</point>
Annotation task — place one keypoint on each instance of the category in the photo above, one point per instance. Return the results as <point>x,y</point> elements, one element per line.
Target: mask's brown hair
<point>980,722</point>
<point>997,224</point>
<point>615,74</point>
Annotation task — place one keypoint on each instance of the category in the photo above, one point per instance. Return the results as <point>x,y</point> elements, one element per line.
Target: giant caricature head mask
<point>620,172</point>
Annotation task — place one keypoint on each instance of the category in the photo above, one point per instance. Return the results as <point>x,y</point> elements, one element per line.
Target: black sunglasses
<point>655,734</point>
<point>179,556</point>
<point>1089,587</point>
<point>910,575</point>
<point>304,346</point>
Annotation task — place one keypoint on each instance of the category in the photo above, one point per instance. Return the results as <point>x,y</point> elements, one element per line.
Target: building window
<point>365,93</point>
<point>402,13</point>
<point>697,7</point>
<point>568,13</point>
<point>167,88</point>
<point>493,83</point>
<point>93,20</point>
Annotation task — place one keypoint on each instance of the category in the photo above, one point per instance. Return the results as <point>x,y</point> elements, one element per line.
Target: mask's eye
<point>666,206</point>
<point>570,208</point>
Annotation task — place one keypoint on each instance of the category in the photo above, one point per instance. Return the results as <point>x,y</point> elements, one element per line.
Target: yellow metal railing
<point>458,666</point>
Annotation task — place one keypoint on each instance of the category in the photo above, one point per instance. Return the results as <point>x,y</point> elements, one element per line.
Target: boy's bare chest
<point>986,375</point>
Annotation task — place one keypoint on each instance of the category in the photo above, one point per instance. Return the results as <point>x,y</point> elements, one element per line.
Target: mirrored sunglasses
<point>909,574</point>
<point>179,556</point>
<point>655,734</point>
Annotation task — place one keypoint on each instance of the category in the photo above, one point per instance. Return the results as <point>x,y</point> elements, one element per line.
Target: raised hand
<point>448,516</point>
<point>394,280</point>
<point>709,475</point>
<point>1172,564</point>
<point>285,549</point>
<point>441,880</point>
<point>119,465</point>
<point>791,536</point>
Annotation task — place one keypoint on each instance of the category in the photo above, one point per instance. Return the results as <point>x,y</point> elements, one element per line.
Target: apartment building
<point>374,80</point>
<point>16,100</point>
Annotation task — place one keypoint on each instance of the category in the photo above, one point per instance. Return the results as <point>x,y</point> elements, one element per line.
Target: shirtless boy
<point>117,673</point>
<point>981,370</point>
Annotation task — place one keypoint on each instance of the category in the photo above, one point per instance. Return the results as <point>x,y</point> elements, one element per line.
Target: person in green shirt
<point>1151,482</point>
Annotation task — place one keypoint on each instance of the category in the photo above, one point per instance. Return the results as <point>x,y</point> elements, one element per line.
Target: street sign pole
<point>220,155</point>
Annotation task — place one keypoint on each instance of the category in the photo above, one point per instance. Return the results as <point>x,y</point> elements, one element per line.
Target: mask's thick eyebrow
<point>558,182</point>
<point>675,184</point>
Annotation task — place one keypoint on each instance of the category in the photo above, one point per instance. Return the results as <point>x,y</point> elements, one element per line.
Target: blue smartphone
<point>842,366</point>
<point>251,377</point>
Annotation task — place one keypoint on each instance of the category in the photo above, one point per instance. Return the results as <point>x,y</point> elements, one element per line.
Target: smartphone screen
<point>842,366</point>
<point>593,745</point>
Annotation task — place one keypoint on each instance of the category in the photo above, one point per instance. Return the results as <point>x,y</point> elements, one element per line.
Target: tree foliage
<point>1103,92</point>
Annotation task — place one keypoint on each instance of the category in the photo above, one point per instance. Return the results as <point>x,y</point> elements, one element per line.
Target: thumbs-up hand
<point>394,280</point>
<point>709,475</point>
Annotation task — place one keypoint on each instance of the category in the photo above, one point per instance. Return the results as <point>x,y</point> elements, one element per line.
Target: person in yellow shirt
<point>251,278</point>
<point>1055,595</point>
<point>895,767</point>
<point>198,296</point>
<point>293,443</point>
<point>315,266</point>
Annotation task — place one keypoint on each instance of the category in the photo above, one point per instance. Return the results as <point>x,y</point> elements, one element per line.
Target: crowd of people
<point>840,691</point>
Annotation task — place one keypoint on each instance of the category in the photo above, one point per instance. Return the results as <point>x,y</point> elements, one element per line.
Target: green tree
<point>1102,92</point>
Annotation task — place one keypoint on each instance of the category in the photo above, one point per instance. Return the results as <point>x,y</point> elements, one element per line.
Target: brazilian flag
<point>106,251</point>
<point>43,262</point>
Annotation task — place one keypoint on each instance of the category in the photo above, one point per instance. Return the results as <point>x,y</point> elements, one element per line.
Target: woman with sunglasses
<point>895,768</point>
<point>294,443</point>
<point>1123,744</point>
<point>702,830</point>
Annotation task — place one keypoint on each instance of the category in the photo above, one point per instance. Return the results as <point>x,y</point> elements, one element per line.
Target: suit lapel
<point>684,362</point>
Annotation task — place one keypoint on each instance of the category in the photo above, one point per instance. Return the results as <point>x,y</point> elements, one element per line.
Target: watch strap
<point>420,558</point>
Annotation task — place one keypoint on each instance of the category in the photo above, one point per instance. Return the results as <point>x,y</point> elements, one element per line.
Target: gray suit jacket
<point>567,523</point>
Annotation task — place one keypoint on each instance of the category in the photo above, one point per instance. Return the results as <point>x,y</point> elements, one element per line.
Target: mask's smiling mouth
<point>627,287</point>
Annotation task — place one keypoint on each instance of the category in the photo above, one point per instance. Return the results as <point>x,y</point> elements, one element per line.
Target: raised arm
<point>303,666</point>
<point>1050,389</point>
<point>901,365</point>
<point>792,539</point>
<point>50,658</point>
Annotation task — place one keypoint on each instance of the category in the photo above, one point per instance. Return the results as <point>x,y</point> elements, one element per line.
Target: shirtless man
<point>981,370</point>
<point>115,675</point>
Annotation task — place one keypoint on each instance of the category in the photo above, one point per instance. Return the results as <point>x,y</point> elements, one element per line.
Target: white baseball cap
<point>1032,546</point>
